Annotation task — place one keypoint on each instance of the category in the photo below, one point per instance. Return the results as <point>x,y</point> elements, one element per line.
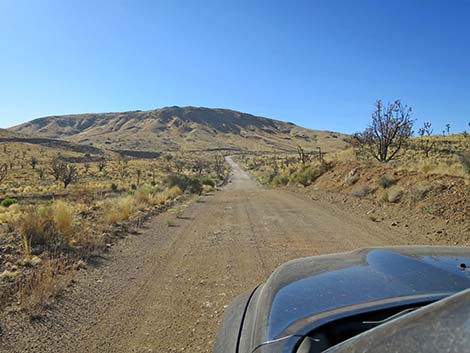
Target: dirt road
<point>164,289</point>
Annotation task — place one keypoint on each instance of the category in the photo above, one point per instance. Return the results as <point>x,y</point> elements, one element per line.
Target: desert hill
<point>181,128</point>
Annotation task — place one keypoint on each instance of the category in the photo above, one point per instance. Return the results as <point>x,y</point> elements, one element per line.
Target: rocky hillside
<point>181,128</point>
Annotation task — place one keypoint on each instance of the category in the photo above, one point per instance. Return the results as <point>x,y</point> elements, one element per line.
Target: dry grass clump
<point>48,278</point>
<point>63,219</point>
<point>143,197</point>
<point>50,227</point>
<point>168,194</point>
<point>119,210</point>
<point>10,214</point>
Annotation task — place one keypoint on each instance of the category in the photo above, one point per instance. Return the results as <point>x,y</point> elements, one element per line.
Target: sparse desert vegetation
<point>59,208</point>
<point>385,165</point>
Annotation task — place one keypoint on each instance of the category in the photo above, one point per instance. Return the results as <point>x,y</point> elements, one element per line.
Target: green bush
<point>179,180</point>
<point>386,181</point>
<point>114,187</point>
<point>280,180</point>
<point>184,182</point>
<point>207,181</point>
<point>307,174</point>
<point>8,202</point>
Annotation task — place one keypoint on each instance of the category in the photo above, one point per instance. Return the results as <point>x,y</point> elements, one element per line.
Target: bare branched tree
<point>57,168</point>
<point>426,143</point>
<point>69,175</point>
<point>389,131</point>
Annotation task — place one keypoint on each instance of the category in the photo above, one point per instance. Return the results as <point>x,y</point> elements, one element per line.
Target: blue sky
<point>320,64</point>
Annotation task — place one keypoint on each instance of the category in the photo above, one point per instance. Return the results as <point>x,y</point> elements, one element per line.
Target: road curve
<point>165,289</point>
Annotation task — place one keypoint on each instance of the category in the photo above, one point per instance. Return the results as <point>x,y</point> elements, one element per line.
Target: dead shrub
<point>63,219</point>
<point>44,283</point>
<point>420,192</point>
<point>386,181</point>
<point>361,191</point>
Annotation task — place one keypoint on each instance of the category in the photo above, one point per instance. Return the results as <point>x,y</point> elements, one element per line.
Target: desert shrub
<point>361,191</point>
<point>63,219</point>
<point>133,187</point>
<point>47,226</point>
<point>464,160</point>
<point>8,202</point>
<point>280,180</point>
<point>184,183</point>
<point>426,168</point>
<point>351,180</point>
<point>168,194</point>
<point>114,187</point>
<point>393,195</point>
<point>143,196</point>
<point>119,210</point>
<point>386,181</point>
<point>306,174</point>
<point>419,192</point>
<point>207,181</point>
<point>195,186</point>
<point>44,283</point>
<point>179,180</point>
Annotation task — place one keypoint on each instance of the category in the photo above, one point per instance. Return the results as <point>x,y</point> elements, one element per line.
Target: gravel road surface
<point>165,288</point>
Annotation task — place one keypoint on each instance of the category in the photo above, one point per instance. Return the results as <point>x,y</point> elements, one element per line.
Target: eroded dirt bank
<point>164,289</point>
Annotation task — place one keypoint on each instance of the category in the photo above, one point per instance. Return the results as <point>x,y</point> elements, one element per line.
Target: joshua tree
<point>426,143</point>
<point>139,175</point>
<point>33,162</point>
<point>389,131</point>
<point>101,166</point>
<point>448,129</point>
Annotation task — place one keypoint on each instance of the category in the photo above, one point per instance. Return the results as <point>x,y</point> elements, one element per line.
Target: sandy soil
<point>165,288</point>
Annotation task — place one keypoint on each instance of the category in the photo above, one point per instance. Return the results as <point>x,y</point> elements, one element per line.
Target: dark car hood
<point>308,290</point>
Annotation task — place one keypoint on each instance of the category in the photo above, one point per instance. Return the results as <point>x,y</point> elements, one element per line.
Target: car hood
<point>304,292</point>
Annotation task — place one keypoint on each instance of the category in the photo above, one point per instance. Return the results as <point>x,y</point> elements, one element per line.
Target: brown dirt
<point>165,289</point>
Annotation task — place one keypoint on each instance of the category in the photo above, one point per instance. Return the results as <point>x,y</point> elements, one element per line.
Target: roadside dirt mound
<point>437,206</point>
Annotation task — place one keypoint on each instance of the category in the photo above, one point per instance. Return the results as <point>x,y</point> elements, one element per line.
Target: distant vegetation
<point>385,165</point>
<point>59,207</point>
